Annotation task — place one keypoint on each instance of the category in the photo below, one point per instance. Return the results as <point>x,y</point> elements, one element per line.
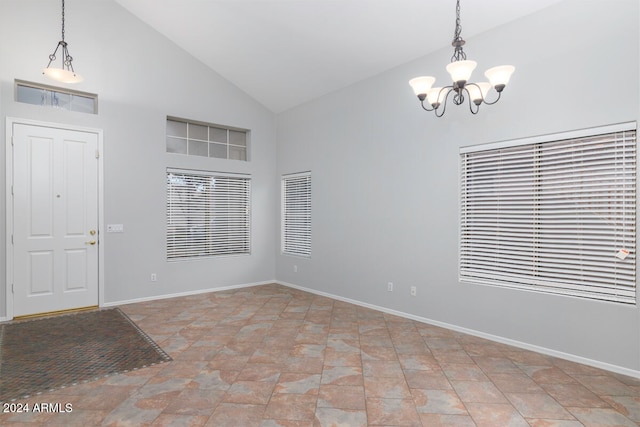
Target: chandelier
<point>460,70</point>
<point>65,73</point>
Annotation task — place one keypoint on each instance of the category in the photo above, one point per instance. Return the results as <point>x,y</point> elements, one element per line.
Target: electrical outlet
<point>154,277</point>
<point>413,291</point>
<point>295,268</point>
<point>390,286</point>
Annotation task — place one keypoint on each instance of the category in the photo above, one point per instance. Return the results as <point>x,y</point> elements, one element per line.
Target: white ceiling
<point>286,52</point>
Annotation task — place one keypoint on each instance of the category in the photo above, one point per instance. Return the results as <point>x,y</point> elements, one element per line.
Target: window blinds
<point>554,216</point>
<point>296,214</point>
<point>207,215</point>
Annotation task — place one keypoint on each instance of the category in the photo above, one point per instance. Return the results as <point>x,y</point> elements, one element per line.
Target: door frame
<point>9,175</point>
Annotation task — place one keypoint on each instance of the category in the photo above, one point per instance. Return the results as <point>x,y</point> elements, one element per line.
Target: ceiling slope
<point>287,52</point>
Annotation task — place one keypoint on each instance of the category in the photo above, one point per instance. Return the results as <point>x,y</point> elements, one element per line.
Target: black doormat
<point>53,352</point>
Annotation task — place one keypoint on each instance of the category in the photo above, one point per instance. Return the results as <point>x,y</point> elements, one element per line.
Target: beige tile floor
<point>272,356</point>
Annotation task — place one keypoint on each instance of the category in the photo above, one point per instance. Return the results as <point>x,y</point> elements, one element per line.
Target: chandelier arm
<point>53,57</point>
<point>446,98</point>
<point>425,108</point>
<point>471,103</point>
<point>493,102</point>
<point>67,58</point>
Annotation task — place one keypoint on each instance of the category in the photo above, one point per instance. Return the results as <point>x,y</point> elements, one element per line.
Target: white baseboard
<point>187,293</point>
<point>549,352</point>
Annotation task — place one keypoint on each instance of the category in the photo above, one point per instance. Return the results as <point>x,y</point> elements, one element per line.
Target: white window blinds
<point>555,216</point>
<point>207,214</point>
<point>296,214</point>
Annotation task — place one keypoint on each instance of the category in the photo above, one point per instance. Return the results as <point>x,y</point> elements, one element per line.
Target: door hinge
<point>12,290</point>
<point>97,154</point>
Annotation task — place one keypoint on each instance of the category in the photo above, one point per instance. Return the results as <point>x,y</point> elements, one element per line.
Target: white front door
<point>55,219</point>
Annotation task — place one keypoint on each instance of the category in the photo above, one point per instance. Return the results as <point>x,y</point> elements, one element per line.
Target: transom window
<point>554,214</point>
<point>56,97</point>
<point>206,140</point>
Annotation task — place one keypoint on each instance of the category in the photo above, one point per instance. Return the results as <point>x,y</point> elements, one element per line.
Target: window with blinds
<point>552,214</point>
<point>207,214</point>
<point>296,214</point>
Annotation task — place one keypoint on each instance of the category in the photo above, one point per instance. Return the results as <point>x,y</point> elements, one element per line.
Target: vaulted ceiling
<point>286,52</point>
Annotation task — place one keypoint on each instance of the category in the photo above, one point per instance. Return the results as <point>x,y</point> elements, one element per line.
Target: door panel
<point>55,211</point>
<point>39,186</point>
<point>76,270</point>
<point>41,273</point>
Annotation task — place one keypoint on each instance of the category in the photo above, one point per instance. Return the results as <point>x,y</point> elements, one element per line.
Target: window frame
<point>471,268</point>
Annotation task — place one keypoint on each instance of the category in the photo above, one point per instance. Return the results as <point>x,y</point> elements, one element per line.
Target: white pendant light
<point>66,73</point>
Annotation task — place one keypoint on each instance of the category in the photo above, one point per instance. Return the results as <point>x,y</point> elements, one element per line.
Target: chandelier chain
<point>456,34</point>
<point>62,20</point>
<point>458,41</point>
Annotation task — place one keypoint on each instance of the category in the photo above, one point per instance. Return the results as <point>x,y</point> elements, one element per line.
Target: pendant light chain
<point>458,41</point>
<point>62,20</point>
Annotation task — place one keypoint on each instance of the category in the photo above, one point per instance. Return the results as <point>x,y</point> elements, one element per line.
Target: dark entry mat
<point>49,353</point>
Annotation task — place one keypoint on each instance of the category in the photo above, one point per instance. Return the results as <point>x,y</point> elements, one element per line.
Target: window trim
<point>533,284</point>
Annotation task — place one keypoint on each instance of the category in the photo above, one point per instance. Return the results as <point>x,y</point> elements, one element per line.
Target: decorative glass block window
<point>56,97</point>
<point>206,140</point>
<point>296,214</point>
<point>208,214</point>
<point>554,214</point>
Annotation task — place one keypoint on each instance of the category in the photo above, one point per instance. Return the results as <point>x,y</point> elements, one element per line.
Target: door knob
<point>92,242</point>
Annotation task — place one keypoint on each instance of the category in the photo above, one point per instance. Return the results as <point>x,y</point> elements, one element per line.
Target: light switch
<point>115,228</point>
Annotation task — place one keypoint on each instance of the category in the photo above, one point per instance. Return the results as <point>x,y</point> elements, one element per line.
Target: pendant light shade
<point>460,71</point>
<point>499,76</point>
<point>422,85</point>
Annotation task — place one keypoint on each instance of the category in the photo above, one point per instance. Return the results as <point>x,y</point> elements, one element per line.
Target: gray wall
<point>385,173</point>
<point>140,78</point>
<point>385,177</point>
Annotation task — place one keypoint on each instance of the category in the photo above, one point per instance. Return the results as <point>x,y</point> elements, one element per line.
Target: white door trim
<point>9,205</point>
